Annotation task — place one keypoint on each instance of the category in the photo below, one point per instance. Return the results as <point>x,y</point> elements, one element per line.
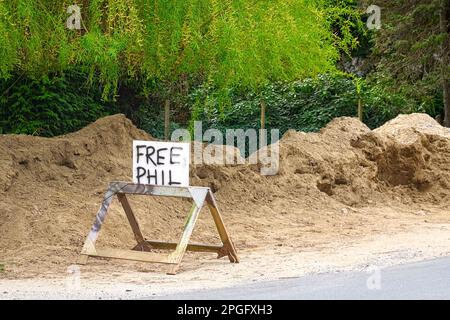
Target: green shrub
<point>305,105</point>
<point>302,105</point>
<point>384,101</point>
<point>48,106</point>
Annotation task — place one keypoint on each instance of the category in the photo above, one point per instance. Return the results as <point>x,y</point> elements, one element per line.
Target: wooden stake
<point>360,111</point>
<point>263,114</point>
<point>167,120</point>
<point>262,136</point>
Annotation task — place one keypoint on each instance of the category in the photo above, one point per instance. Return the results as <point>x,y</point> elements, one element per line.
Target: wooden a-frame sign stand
<point>142,251</point>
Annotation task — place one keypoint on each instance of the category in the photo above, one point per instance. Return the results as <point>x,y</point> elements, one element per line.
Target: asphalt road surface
<point>422,280</point>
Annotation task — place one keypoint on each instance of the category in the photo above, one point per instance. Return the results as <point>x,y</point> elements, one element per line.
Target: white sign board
<point>161,163</point>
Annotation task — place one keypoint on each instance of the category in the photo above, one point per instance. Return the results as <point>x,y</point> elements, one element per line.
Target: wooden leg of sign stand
<point>89,244</point>
<point>83,259</point>
<point>142,245</point>
<point>228,248</point>
<point>178,254</point>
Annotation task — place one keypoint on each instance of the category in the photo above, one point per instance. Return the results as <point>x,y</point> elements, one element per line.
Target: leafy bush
<point>48,106</point>
<point>56,105</point>
<point>302,105</point>
<point>384,100</point>
<point>305,105</point>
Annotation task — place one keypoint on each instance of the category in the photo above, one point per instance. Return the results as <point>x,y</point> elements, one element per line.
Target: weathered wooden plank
<point>223,233</point>
<point>131,218</point>
<point>217,217</point>
<point>89,244</point>
<point>132,255</point>
<point>83,259</point>
<point>144,189</point>
<point>177,255</point>
<point>196,247</point>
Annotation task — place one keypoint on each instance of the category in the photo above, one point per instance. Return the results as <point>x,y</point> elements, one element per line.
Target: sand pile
<point>411,151</point>
<point>51,188</point>
<point>48,186</point>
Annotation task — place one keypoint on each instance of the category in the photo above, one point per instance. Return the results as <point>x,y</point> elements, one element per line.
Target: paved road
<point>422,280</point>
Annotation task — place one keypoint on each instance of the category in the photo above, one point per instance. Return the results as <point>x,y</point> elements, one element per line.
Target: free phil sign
<point>161,163</point>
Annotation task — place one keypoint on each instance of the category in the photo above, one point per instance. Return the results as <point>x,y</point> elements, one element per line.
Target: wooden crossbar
<point>195,247</point>
<point>132,255</point>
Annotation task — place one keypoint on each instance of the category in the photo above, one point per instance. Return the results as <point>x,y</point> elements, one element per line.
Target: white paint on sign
<point>161,163</point>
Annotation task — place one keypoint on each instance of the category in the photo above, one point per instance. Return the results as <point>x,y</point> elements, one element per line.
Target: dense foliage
<point>49,106</point>
<point>305,105</point>
<point>407,52</point>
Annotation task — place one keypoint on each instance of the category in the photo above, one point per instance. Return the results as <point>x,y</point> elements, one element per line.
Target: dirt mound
<point>51,188</point>
<point>326,161</point>
<point>92,149</point>
<point>411,151</point>
<point>47,184</point>
<point>406,128</point>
